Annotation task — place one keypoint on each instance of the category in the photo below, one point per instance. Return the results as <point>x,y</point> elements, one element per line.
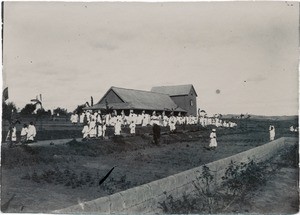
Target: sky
<point>241,57</point>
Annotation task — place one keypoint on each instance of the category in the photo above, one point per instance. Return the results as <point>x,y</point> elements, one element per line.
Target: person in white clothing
<point>81,118</point>
<point>113,120</point>
<point>145,119</point>
<point>12,134</point>
<point>172,122</point>
<point>272,132</point>
<point>213,139</point>
<point>92,129</point>
<point>154,119</point>
<point>292,129</point>
<point>118,127</point>
<point>85,132</point>
<point>31,132</point>
<point>99,119</point>
<point>103,128</point>
<point>74,118</point>
<point>165,119</point>
<point>132,128</point>
<point>100,131</point>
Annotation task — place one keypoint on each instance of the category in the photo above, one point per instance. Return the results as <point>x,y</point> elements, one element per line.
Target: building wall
<point>185,102</point>
<point>111,97</point>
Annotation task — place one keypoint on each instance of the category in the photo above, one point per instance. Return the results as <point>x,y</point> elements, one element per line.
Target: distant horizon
<point>240,56</point>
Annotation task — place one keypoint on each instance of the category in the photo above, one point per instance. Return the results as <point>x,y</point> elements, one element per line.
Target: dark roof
<point>139,99</point>
<point>176,90</point>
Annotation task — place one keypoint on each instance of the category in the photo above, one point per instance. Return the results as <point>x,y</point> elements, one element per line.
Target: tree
<point>60,111</point>
<point>79,109</point>
<point>28,109</point>
<point>7,110</point>
<point>43,112</point>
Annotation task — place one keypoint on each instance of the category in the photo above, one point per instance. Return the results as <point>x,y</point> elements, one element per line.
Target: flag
<point>5,94</point>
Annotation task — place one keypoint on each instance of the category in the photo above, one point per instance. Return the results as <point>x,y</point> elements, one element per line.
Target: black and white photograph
<point>150,107</point>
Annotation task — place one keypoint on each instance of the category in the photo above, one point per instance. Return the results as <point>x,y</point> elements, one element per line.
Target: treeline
<point>9,109</point>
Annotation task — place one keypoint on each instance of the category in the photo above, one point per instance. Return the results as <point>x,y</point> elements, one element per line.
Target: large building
<point>138,100</point>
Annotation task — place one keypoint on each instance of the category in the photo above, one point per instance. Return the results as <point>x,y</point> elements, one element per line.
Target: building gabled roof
<point>175,90</point>
<point>139,99</point>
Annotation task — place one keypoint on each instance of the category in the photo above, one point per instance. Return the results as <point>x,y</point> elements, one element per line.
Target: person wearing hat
<point>213,139</point>
<point>132,128</point>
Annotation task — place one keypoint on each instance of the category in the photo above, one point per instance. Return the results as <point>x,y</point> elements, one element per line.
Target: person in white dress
<point>31,132</point>
<point>165,119</point>
<point>81,118</point>
<point>132,128</point>
<point>213,139</point>
<point>92,129</point>
<point>118,127</point>
<point>272,132</point>
<point>85,132</point>
<point>172,122</point>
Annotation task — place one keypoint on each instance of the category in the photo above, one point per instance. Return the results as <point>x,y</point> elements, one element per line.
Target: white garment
<point>145,119</point>
<point>113,120</point>
<point>107,119</point>
<point>213,140</point>
<point>85,131</point>
<point>81,118</point>
<point>139,119</point>
<point>100,131</point>
<point>154,120</point>
<point>31,132</point>
<point>24,131</point>
<point>272,133</point>
<point>99,120</point>
<point>92,129</point>
<point>132,128</point>
<point>172,122</point>
<point>165,120</point>
<point>13,134</point>
<point>74,118</point>
<point>118,128</point>
<point>103,130</point>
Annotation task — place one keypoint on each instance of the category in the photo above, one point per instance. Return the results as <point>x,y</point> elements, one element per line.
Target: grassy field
<point>50,177</point>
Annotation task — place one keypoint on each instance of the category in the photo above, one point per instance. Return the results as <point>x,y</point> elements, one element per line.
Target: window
<point>191,102</point>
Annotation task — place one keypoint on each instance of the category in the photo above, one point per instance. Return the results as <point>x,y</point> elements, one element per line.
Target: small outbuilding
<point>184,96</point>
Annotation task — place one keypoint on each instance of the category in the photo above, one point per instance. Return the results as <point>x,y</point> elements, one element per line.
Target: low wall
<point>146,198</point>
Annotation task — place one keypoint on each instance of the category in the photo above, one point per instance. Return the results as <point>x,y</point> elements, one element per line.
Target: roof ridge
<point>122,88</point>
<point>174,85</point>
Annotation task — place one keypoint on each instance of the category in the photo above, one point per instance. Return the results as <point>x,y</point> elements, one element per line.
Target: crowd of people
<point>28,134</point>
<point>95,123</point>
